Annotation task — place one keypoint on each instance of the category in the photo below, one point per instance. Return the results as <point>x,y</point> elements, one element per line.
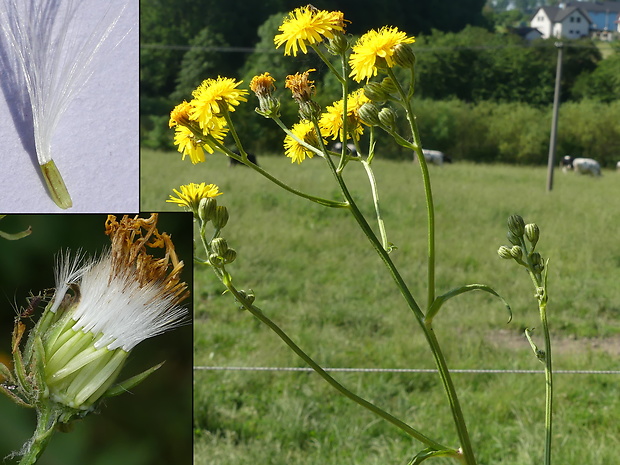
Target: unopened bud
<point>404,56</point>
<point>389,86</point>
<point>512,238</point>
<point>337,45</point>
<point>220,217</point>
<point>387,117</point>
<point>369,114</point>
<point>206,209</point>
<point>532,233</point>
<point>219,246</point>
<point>375,92</point>
<point>516,225</point>
<point>504,252</point>
<point>309,110</point>
<point>516,252</point>
<point>229,256</point>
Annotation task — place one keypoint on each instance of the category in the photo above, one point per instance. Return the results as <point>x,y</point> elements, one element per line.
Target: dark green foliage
<point>603,83</point>
<point>201,61</point>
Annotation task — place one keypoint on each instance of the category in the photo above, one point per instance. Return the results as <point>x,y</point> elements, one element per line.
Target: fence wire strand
<point>408,370</point>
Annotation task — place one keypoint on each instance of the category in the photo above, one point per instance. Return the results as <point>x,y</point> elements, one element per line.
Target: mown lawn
<point>314,273</point>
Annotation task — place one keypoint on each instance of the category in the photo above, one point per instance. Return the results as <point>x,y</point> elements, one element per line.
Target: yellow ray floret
<point>191,194</point>
<point>213,97</point>
<point>293,149</point>
<point>374,46</point>
<point>331,121</point>
<point>308,25</point>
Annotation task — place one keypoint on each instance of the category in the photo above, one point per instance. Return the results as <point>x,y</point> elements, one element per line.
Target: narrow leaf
<point>439,301</point>
<point>131,382</point>
<point>432,453</point>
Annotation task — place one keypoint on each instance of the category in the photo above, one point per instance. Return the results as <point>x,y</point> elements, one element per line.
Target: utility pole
<point>554,119</point>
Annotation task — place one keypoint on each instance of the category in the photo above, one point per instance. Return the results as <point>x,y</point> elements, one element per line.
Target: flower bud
<point>309,110</point>
<point>369,114</point>
<point>220,217</point>
<point>516,225</point>
<point>337,45</point>
<point>388,86</point>
<point>375,92</point>
<point>206,209</point>
<point>531,233</point>
<point>504,252</point>
<point>516,252</point>
<point>404,56</point>
<point>512,238</point>
<point>387,117</point>
<point>219,246</point>
<point>229,256</point>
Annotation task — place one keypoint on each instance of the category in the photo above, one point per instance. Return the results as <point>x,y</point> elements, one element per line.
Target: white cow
<point>581,165</point>
<point>435,157</point>
<point>618,166</point>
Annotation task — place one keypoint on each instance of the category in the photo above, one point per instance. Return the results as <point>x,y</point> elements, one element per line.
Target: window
<point>578,19</point>
<point>572,19</point>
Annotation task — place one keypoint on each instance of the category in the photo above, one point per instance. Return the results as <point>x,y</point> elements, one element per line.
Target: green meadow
<point>314,273</point>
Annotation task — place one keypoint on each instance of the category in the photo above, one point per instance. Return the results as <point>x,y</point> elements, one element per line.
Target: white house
<point>562,22</point>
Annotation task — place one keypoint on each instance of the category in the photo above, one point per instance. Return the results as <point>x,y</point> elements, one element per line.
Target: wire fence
<point>408,370</point>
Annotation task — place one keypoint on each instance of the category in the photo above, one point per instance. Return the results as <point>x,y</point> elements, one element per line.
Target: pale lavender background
<point>95,145</point>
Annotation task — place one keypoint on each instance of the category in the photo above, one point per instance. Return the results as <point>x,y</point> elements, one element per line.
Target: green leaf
<point>130,383</point>
<point>439,301</point>
<point>16,236</point>
<point>431,453</point>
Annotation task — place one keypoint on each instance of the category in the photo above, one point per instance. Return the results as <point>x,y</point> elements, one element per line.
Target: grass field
<point>314,273</point>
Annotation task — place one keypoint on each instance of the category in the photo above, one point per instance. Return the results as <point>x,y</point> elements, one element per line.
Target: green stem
<point>548,384</point>
<point>243,159</point>
<point>375,197</point>
<point>440,361</point>
<point>46,422</point>
<point>430,208</point>
<point>224,277</point>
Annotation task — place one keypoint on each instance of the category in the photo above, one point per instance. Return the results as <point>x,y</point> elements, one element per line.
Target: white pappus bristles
<point>55,66</point>
<point>116,308</point>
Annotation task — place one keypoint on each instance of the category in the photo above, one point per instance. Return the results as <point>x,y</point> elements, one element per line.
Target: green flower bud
<point>516,252</point>
<point>309,110</point>
<point>404,56</point>
<point>229,256</point>
<point>512,238</point>
<point>220,217</point>
<point>504,252</point>
<point>337,45</point>
<point>216,260</point>
<point>531,233</point>
<point>389,86</point>
<point>369,114</point>
<point>206,209</point>
<point>516,225</point>
<point>219,246</point>
<point>375,92</point>
<point>387,117</point>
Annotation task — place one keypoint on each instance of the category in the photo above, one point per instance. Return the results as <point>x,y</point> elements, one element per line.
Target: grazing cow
<point>618,166</point>
<point>232,162</point>
<point>337,147</point>
<point>435,157</point>
<point>581,165</point>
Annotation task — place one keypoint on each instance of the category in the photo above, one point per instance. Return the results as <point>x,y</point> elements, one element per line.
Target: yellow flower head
<point>331,121</point>
<point>191,194</point>
<point>214,96</point>
<point>308,24</point>
<point>305,132</point>
<point>301,87</point>
<point>180,115</point>
<point>375,46</point>
<point>189,144</point>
